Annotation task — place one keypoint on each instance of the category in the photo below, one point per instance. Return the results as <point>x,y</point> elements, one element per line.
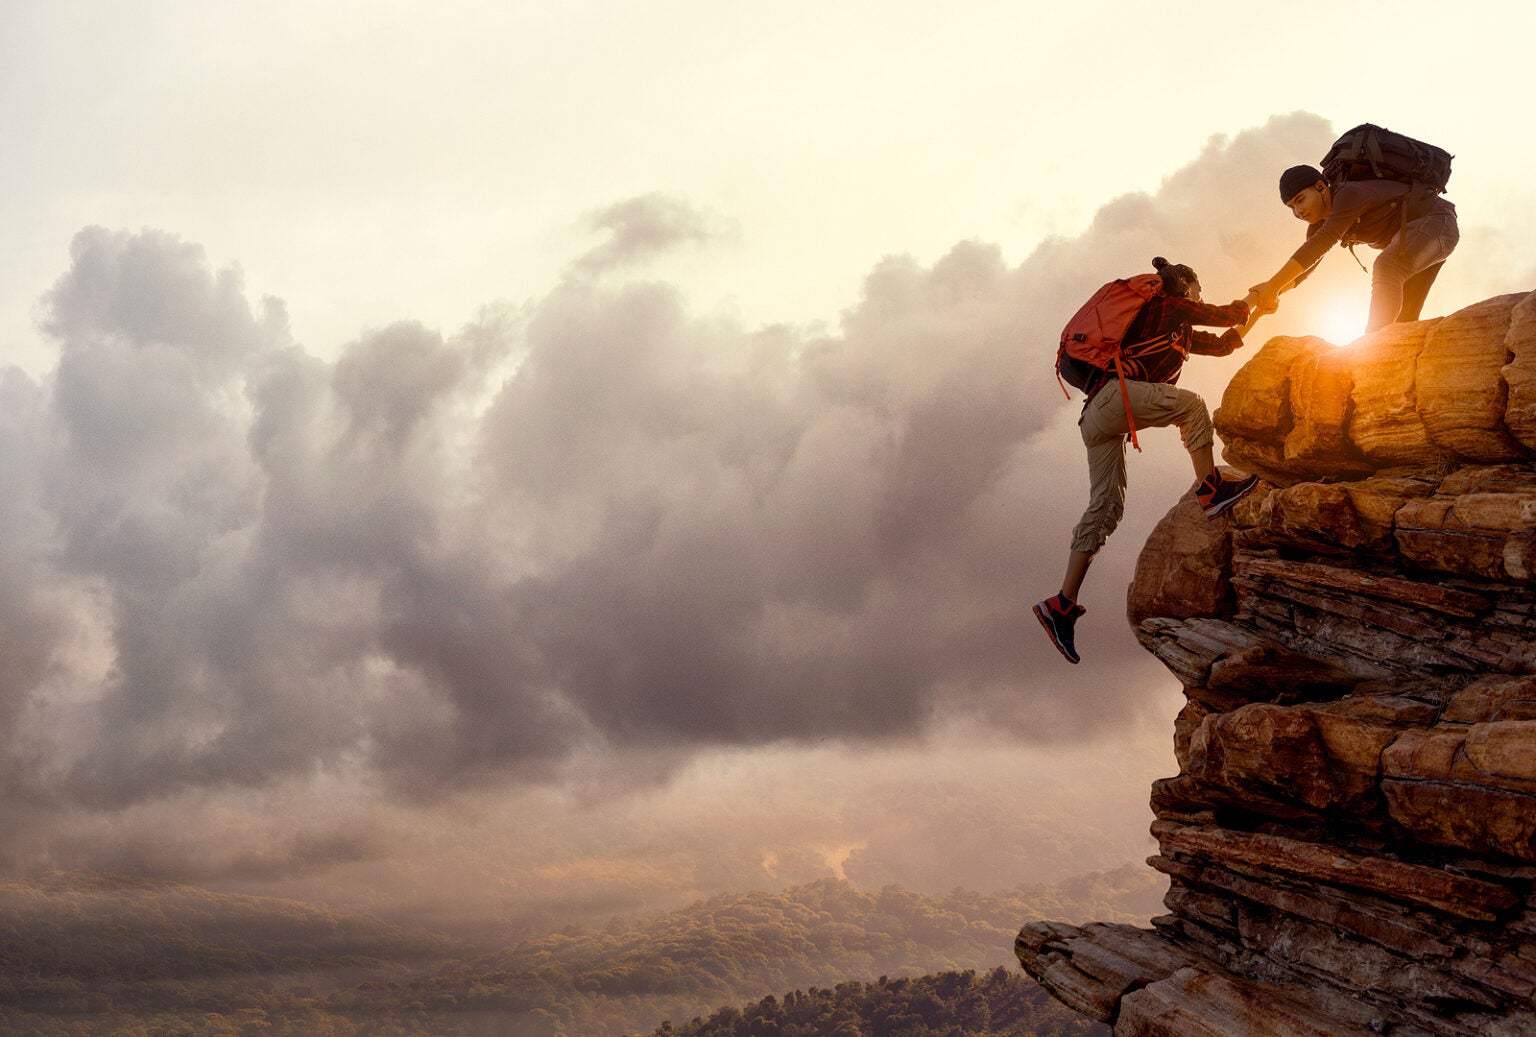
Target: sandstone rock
<point>1464,816</point>
<point>1320,517</point>
<point>1259,457</point>
<point>1261,670</point>
<point>1319,864</point>
<point>1321,384</point>
<point>1493,698</point>
<point>1190,648</point>
<point>1471,786</point>
<point>1387,426</point>
<point>1091,968</point>
<point>1184,727</point>
<point>1503,749</point>
<point>1254,418</point>
<point>1462,394</point>
<point>1457,389</point>
<point>1376,501</point>
<point>1197,1002</point>
<point>1294,760</point>
<point>1184,568</point>
<point>1257,402</point>
<point>1478,534</point>
<point>1372,922</point>
<point>1520,373</point>
<point>1420,596</point>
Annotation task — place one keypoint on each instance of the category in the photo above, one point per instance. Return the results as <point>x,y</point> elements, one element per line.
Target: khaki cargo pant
<point>1156,405</point>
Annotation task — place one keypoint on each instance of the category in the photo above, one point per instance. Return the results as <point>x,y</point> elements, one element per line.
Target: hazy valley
<point>93,955</point>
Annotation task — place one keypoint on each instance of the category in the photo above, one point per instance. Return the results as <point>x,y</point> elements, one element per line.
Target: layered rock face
<point>1351,838</point>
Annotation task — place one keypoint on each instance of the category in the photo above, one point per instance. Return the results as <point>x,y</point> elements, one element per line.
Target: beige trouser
<point>1156,405</point>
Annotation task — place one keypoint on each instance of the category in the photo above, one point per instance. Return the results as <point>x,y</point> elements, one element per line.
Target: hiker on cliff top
<point>1414,229</point>
<point>1150,355</point>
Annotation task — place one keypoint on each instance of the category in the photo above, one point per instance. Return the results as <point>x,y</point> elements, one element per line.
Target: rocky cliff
<point>1351,838</point>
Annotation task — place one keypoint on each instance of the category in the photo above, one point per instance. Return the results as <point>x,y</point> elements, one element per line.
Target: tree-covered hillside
<point>952,1004</point>
<point>103,957</point>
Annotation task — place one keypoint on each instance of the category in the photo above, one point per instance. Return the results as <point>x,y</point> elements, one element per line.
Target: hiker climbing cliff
<point>1124,349</point>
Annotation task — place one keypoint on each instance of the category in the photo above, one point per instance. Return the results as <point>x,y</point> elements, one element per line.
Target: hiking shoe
<point>1217,494</point>
<point>1059,615</point>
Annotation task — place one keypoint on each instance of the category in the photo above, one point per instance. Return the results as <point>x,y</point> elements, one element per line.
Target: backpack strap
<point>1373,153</point>
<point>1130,419</point>
<point>1337,181</point>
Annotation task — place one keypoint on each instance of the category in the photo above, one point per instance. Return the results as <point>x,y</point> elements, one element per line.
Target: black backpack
<point>1370,152</point>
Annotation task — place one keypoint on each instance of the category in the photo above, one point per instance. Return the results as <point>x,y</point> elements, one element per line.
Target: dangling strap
<point>1130,419</point>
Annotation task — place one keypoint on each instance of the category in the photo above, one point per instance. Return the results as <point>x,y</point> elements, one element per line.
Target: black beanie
<point>1178,280</point>
<point>1296,180</point>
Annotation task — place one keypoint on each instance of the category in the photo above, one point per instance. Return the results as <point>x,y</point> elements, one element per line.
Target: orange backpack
<point>1090,343</point>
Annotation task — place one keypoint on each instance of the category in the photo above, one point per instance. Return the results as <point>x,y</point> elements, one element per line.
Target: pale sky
<point>468,402</point>
<point>368,161</point>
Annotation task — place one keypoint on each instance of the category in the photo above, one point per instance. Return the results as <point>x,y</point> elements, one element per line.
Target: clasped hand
<point>1260,301</point>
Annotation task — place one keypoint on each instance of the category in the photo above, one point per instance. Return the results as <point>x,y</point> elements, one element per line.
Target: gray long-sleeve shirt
<point>1371,203</point>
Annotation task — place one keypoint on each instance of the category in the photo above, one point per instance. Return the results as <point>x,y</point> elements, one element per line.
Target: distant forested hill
<point>1000,1003</point>
<point>87,957</point>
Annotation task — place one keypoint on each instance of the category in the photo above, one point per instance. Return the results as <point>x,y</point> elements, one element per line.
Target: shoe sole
<point>1050,632</point>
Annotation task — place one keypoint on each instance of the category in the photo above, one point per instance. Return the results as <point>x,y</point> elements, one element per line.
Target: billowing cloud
<point>598,524</point>
<point>640,228</point>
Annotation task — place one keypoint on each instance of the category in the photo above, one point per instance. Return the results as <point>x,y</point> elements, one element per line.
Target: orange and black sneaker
<point>1058,615</point>
<point>1216,494</point>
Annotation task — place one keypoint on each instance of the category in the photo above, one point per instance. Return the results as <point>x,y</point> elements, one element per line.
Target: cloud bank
<point>593,525</point>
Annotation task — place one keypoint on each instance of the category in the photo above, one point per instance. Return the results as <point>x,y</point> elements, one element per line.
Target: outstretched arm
<point>1264,297</point>
<point>1187,311</point>
<point>1283,281</point>
<point>1351,201</point>
<point>1232,315</point>
<point>1255,312</point>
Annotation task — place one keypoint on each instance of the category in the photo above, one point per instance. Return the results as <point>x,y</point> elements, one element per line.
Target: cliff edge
<point>1351,838</point>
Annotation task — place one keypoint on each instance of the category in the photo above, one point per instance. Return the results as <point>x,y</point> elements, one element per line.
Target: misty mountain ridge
<point>90,954</point>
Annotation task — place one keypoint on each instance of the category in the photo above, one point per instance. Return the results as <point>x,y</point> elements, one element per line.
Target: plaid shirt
<point>1161,338</point>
